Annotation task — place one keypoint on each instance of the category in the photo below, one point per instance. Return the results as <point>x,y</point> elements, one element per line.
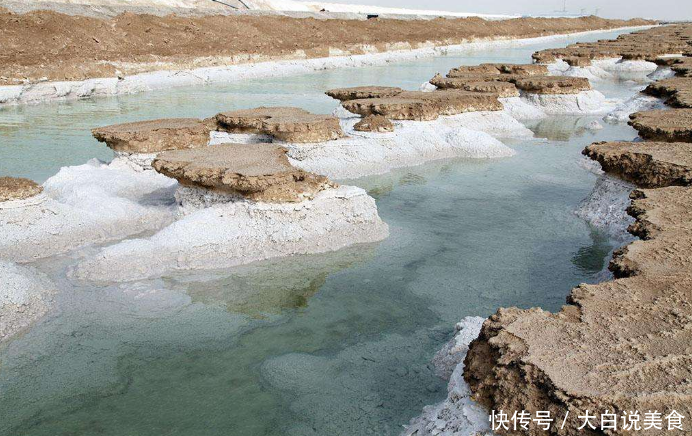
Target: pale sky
<point>660,9</point>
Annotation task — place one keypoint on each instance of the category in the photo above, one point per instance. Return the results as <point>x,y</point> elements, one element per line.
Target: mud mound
<point>13,188</point>
<point>374,123</point>
<point>154,136</point>
<point>664,125</point>
<point>358,92</point>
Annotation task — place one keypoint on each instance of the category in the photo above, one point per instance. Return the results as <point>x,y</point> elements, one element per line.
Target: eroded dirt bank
<point>46,45</point>
<point>619,346</point>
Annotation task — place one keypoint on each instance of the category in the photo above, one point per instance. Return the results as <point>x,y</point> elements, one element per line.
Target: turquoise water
<point>333,344</point>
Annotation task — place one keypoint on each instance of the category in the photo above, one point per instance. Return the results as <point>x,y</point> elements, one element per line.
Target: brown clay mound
<point>646,164</point>
<point>673,125</point>
<point>154,136</point>
<point>502,89</point>
<point>14,188</point>
<point>359,92</point>
<point>259,172</point>
<point>288,124</point>
<point>424,106</point>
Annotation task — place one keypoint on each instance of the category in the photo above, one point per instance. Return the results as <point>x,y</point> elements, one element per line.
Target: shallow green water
<point>335,344</point>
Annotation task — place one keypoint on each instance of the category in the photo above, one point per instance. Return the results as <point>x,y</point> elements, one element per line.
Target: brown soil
<point>288,124</point>
<point>55,46</point>
<point>553,85</point>
<point>259,172</point>
<point>13,188</point>
<point>374,123</point>
<point>424,106</point>
<point>155,135</point>
<point>664,125</point>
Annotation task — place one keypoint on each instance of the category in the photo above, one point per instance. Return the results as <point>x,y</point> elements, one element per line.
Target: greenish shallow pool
<point>335,344</point>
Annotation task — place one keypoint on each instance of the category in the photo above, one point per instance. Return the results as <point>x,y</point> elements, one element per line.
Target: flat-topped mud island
<point>288,263</point>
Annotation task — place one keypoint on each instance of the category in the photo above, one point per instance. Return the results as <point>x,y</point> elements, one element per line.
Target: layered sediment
<point>44,45</point>
<point>154,136</point>
<point>620,346</point>
<point>287,124</point>
<point>258,172</point>
<point>673,125</point>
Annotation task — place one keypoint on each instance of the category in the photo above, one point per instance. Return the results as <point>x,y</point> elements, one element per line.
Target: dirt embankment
<point>622,346</point>
<point>48,45</point>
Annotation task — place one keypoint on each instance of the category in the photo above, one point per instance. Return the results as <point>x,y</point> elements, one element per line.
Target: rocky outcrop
<point>424,106</point>
<point>646,164</point>
<point>154,136</point>
<point>374,123</point>
<point>677,91</point>
<point>358,92</point>
<point>287,124</point>
<point>664,125</point>
<point>15,188</point>
<point>25,296</point>
<point>504,69</point>
<point>259,172</point>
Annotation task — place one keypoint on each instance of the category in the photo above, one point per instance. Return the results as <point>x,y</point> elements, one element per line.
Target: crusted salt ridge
<point>25,296</point>
<point>412,143</point>
<point>457,415</point>
<point>240,232</point>
<point>83,205</point>
<point>607,69</point>
<point>605,207</point>
<point>50,91</point>
<point>637,103</point>
<point>536,106</point>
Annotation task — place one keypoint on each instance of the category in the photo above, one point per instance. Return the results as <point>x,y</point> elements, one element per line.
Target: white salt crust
<point>606,69</point>
<point>606,207</point>
<point>536,106</point>
<point>86,204</point>
<point>25,296</point>
<point>458,414</point>
<point>412,143</point>
<point>240,232</point>
<point>639,102</point>
<point>165,79</point>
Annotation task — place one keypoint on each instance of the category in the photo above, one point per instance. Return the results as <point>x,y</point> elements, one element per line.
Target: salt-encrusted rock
<point>154,136</point>
<point>358,92</point>
<point>646,164</point>
<point>374,123</point>
<point>553,85</point>
<point>664,125</point>
<point>240,232</point>
<point>259,172</point>
<point>424,106</point>
<point>16,188</point>
<point>288,124</point>
<point>502,89</point>
<point>25,296</point>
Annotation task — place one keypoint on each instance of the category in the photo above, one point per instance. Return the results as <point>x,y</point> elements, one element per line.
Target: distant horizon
<point>662,10</point>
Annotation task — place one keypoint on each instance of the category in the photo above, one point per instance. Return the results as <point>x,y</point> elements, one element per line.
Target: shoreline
<point>50,91</point>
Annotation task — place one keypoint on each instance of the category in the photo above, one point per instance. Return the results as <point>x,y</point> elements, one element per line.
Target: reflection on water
<point>331,344</point>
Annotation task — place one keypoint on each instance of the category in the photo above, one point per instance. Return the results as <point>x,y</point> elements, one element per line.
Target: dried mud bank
<point>622,345</point>
<point>132,53</point>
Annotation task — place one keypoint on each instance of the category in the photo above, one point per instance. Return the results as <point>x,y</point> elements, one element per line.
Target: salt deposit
<point>412,143</point>
<point>25,296</point>
<point>240,232</point>
<point>607,69</point>
<point>639,102</point>
<point>86,204</point>
<point>605,208</point>
<point>536,106</point>
<point>458,414</point>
